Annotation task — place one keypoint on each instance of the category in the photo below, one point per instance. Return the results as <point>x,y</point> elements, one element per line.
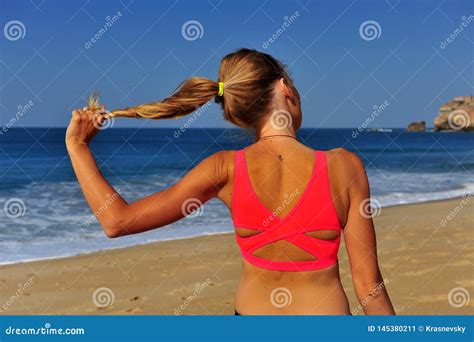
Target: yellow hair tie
<point>221,89</point>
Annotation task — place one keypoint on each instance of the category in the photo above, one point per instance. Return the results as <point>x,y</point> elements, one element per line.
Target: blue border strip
<point>244,328</point>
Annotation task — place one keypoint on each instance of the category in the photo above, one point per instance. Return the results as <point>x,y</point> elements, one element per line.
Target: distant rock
<point>418,126</point>
<point>456,115</point>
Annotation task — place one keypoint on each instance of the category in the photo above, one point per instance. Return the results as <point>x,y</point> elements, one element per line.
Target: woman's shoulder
<point>223,157</point>
<point>221,163</point>
<point>342,159</point>
<point>347,176</point>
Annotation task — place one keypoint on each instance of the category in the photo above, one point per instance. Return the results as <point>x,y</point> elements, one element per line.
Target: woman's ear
<point>288,91</point>
<point>284,87</point>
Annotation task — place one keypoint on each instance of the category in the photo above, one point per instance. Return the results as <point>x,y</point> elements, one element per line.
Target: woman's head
<point>254,86</point>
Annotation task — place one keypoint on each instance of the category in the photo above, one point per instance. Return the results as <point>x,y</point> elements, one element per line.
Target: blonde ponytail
<point>244,91</point>
<point>190,95</point>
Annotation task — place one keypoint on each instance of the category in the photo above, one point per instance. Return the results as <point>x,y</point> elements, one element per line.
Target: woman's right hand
<point>84,126</point>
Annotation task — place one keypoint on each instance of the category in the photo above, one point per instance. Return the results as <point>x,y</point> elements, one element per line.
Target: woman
<point>289,203</point>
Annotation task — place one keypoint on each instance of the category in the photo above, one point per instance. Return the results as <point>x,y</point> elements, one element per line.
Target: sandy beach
<point>425,252</point>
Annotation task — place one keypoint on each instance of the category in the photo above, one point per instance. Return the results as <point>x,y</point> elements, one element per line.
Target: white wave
<point>397,198</point>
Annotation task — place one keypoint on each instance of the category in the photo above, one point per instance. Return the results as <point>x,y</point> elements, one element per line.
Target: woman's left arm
<point>117,217</point>
<point>361,245</point>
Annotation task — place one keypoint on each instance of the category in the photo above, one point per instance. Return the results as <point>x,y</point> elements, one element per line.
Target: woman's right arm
<point>117,217</point>
<point>359,236</point>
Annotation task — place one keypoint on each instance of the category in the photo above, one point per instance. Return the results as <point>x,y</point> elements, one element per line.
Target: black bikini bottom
<point>236,313</point>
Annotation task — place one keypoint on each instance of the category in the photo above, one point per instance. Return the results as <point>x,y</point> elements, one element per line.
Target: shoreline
<point>109,249</point>
<point>199,235</point>
<point>421,260</point>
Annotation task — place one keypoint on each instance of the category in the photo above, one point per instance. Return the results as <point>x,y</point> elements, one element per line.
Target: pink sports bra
<point>313,211</point>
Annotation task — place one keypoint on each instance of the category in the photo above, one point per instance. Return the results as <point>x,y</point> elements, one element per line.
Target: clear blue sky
<point>143,56</point>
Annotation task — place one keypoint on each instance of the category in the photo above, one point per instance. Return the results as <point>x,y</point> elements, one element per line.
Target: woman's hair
<point>248,78</point>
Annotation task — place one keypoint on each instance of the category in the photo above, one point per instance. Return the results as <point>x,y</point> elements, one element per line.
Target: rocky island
<point>418,126</point>
<point>454,115</point>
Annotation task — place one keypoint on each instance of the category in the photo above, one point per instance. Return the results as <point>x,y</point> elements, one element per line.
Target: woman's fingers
<point>97,117</point>
<point>78,114</point>
<point>75,115</point>
<point>84,125</point>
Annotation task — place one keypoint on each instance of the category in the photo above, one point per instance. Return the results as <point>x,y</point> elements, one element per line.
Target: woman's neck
<point>270,129</point>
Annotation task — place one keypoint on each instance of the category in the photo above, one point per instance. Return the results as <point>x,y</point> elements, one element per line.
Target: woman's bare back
<point>279,171</point>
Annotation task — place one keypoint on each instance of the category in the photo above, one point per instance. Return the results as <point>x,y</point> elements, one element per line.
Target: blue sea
<point>51,218</point>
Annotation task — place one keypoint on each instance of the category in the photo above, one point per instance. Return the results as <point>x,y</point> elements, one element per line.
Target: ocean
<point>45,215</point>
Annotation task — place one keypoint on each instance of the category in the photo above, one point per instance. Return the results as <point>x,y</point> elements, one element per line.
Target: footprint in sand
<point>196,268</point>
<point>168,274</point>
<point>421,272</point>
<point>465,283</point>
<point>134,310</point>
<point>432,298</point>
<point>460,263</point>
